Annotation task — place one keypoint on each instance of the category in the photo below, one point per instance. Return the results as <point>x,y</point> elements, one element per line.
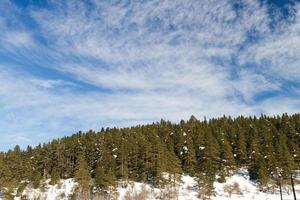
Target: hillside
<point>237,187</point>
<point>257,153</point>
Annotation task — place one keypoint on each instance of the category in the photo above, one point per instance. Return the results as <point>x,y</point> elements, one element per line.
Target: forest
<point>158,153</point>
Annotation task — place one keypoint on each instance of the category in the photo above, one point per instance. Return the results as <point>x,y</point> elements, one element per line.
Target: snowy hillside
<point>59,191</point>
<point>238,185</point>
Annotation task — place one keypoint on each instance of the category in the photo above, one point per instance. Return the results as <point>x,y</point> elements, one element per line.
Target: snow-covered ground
<point>187,190</point>
<point>51,192</point>
<point>250,191</point>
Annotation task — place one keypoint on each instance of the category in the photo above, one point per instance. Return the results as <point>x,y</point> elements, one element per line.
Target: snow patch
<point>62,191</point>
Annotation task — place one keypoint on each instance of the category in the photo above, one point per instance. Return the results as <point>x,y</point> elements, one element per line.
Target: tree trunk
<point>293,187</point>
<point>280,190</point>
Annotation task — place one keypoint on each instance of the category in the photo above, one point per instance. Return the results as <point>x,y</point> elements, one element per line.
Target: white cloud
<point>278,53</point>
<point>18,39</point>
<point>249,84</point>
<point>157,59</point>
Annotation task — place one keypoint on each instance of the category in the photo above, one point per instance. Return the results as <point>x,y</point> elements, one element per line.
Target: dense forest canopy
<point>269,147</point>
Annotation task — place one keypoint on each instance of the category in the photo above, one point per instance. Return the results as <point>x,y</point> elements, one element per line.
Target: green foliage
<point>268,146</point>
<point>36,179</point>
<point>54,176</point>
<point>21,188</point>
<point>104,178</point>
<point>82,175</point>
<point>205,185</point>
<point>263,175</point>
<point>241,148</point>
<point>285,161</point>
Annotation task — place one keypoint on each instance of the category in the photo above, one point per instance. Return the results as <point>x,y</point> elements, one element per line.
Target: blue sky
<point>75,65</point>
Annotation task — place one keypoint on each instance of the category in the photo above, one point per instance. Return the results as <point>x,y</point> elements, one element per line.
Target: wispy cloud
<point>122,63</point>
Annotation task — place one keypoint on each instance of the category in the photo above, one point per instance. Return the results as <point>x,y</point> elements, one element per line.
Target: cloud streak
<point>123,63</point>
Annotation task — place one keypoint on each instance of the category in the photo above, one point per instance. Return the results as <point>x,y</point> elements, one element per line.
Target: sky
<point>76,65</point>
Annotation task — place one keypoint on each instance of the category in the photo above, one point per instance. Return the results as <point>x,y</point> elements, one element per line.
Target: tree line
<point>210,150</point>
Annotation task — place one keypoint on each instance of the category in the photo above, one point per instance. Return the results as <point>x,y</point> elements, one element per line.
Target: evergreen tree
<point>207,163</point>
<point>188,156</point>
<point>6,175</point>
<point>104,178</point>
<point>262,174</point>
<point>269,147</point>
<point>227,162</point>
<point>205,185</point>
<point>241,150</point>
<point>285,160</point>
<point>54,176</point>
<point>122,161</point>
<point>254,154</point>
<point>83,177</point>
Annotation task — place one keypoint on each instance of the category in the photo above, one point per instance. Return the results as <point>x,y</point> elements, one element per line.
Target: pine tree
<point>6,175</point>
<point>263,175</point>
<point>205,185</point>
<point>36,179</point>
<point>285,160</point>
<point>207,163</point>
<point>104,178</point>
<point>268,151</point>
<point>54,176</point>
<point>268,146</point>
<point>227,162</point>
<point>241,151</point>
<point>188,156</point>
<point>122,161</point>
<point>254,154</point>
<point>184,149</point>
<point>83,177</point>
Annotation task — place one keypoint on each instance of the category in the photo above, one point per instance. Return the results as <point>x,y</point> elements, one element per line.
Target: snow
<point>249,190</point>
<point>185,190</point>
<point>52,192</point>
<point>188,189</point>
<point>135,188</point>
<point>115,149</point>
<point>201,147</point>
